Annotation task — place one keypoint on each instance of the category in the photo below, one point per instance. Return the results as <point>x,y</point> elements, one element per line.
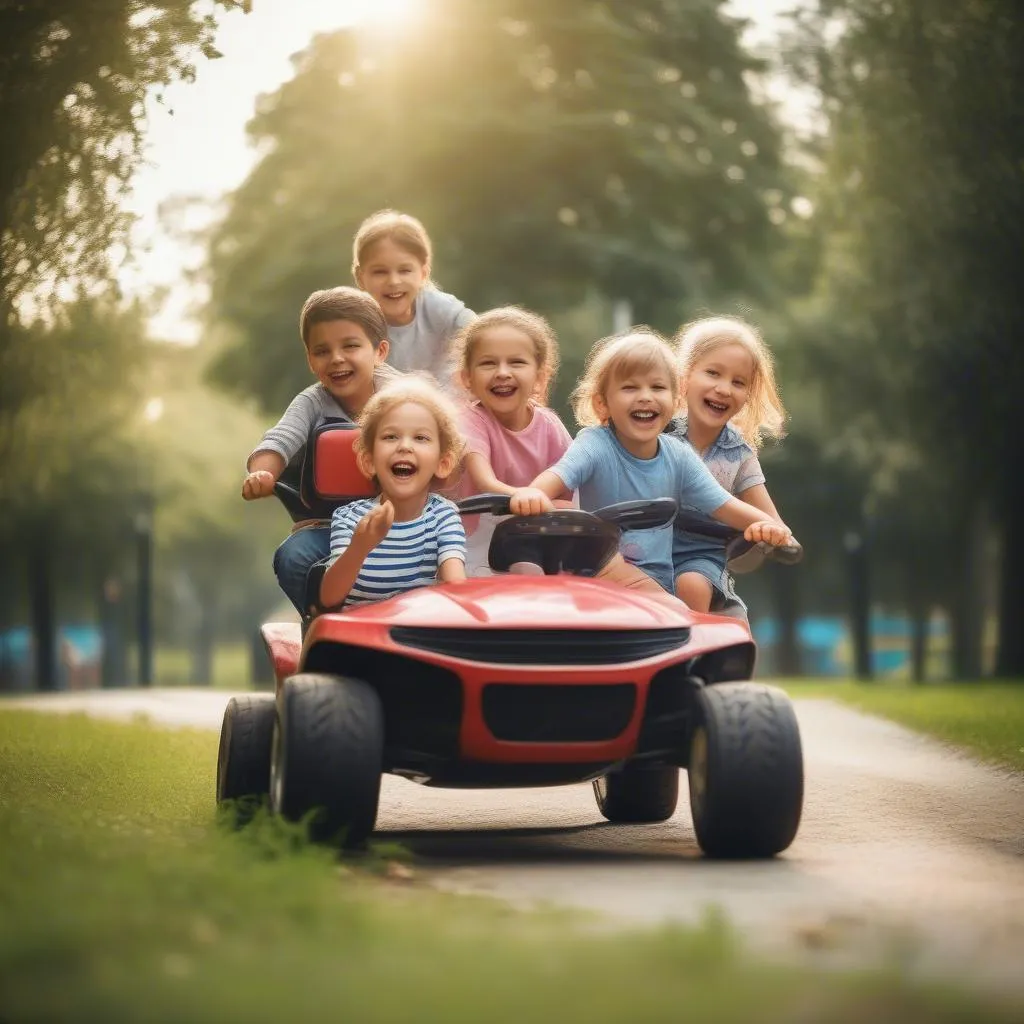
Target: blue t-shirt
<point>604,473</point>
<point>410,553</point>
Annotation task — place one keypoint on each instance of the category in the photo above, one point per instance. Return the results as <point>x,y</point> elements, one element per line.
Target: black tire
<point>243,759</point>
<point>746,771</point>
<point>327,756</point>
<point>638,793</point>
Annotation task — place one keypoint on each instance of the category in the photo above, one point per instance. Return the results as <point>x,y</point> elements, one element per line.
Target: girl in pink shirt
<point>506,360</point>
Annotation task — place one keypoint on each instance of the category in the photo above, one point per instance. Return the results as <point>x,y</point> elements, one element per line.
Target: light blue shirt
<point>409,554</point>
<point>604,473</point>
<point>423,343</point>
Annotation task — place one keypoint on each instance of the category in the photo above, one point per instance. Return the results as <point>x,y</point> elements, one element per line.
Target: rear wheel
<point>746,771</point>
<point>638,793</point>
<point>327,756</point>
<point>243,759</point>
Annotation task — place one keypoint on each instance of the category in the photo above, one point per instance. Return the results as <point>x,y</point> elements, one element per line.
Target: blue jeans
<point>296,556</point>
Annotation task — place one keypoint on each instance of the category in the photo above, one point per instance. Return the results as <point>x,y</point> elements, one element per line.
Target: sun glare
<point>385,13</point>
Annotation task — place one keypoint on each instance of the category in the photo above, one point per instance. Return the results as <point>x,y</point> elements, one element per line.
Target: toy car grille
<point>544,646</point>
<point>557,713</point>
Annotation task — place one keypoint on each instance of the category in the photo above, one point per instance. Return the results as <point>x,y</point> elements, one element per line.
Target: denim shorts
<point>724,599</point>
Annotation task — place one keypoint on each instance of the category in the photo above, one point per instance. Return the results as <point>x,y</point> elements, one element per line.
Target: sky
<point>196,144</point>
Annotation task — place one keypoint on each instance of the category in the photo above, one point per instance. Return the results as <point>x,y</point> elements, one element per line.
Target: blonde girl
<point>406,537</point>
<point>731,402</point>
<point>506,360</point>
<point>626,398</point>
<point>391,259</point>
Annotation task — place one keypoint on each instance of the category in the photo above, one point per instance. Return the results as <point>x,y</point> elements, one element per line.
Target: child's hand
<point>769,532</point>
<point>529,501</point>
<point>258,485</point>
<point>374,526</point>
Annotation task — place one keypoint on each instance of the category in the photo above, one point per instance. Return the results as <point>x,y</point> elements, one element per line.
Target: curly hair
<point>641,350</point>
<point>763,414</point>
<point>418,390</point>
<point>533,325</point>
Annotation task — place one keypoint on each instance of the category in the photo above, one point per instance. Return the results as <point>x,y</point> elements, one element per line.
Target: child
<point>408,537</point>
<point>728,385</point>
<point>506,359</point>
<point>346,342</point>
<point>628,393</point>
<point>391,258</point>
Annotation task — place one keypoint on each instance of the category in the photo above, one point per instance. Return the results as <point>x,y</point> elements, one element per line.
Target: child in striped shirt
<point>407,537</point>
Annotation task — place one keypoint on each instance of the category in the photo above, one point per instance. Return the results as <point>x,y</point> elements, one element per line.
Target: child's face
<point>503,372</point>
<point>406,453</point>
<point>342,356</point>
<point>639,406</point>
<point>394,277</point>
<point>718,385</point>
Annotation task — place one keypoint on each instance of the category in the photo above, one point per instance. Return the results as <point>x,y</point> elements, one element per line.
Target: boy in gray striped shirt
<point>345,335</point>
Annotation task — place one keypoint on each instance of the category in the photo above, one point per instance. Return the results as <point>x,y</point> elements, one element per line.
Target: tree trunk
<point>44,621</point>
<point>205,642</point>
<point>114,667</point>
<point>968,602</point>
<point>858,568</point>
<point>786,598</point>
<point>1010,650</point>
<point>918,611</point>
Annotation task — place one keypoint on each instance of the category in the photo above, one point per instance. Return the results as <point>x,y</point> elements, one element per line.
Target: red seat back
<point>330,472</point>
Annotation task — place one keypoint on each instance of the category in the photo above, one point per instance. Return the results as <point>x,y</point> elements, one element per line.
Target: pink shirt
<point>517,457</point>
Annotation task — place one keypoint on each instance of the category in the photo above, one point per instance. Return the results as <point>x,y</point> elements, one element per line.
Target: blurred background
<point>176,178</point>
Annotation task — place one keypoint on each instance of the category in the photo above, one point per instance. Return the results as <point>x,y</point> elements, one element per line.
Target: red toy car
<point>520,680</point>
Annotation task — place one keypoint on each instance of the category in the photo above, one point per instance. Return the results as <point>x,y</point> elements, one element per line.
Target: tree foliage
<point>74,75</point>
<point>551,149</point>
<point>918,322</point>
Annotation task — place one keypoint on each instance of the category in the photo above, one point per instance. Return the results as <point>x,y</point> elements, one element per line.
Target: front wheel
<point>327,756</point>
<point>746,771</point>
<point>638,794</point>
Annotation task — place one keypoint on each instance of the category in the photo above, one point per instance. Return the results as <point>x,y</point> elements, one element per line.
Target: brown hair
<point>533,325</point>
<point>342,303</point>
<point>763,412</point>
<point>642,350</point>
<point>401,228</point>
<point>420,390</point>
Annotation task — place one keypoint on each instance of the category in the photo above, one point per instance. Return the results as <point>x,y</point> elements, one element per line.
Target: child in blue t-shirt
<point>407,537</point>
<point>626,398</point>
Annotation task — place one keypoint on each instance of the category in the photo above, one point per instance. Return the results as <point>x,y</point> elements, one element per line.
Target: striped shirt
<point>410,553</point>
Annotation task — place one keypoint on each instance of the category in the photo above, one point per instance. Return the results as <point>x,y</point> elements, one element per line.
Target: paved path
<point>906,849</point>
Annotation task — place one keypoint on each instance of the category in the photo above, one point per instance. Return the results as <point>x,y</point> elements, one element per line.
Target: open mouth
<point>716,407</point>
<point>340,376</point>
<point>504,390</point>
<point>403,470</point>
<point>643,416</point>
<point>394,296</point>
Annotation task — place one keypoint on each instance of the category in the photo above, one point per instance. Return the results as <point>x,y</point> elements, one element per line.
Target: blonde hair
<point>418,390</point>
<point>533,325</point>
<point>763,414</point>
<point>401,228</point>
<point>642,350</point>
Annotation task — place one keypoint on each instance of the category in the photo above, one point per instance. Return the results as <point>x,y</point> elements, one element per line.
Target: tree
<point>922,202</point>
<point>553,150</point>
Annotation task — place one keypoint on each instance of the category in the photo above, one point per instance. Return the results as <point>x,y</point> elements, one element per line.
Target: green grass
<point>986,719</point>
<point>123,899</point>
